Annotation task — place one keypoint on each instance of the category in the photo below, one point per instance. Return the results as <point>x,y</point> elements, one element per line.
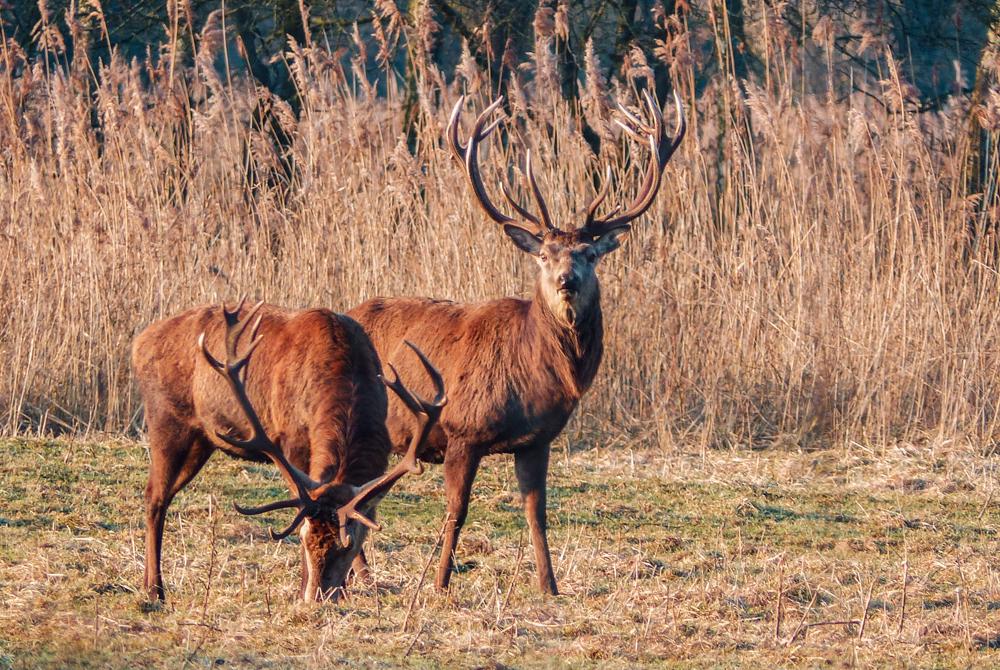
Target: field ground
<point>662,560</point>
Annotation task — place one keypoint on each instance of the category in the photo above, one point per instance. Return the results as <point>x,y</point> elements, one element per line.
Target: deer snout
<point>567,281</point>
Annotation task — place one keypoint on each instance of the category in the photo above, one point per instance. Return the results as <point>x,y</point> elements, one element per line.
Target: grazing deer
<point>316,382</point>
<point>516,368</point>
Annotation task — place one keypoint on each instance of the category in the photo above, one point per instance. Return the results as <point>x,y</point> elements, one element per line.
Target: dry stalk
<point>777,600</point>
<point>378,597</point>
<point>97,621</point>
<point>864,615</point>
<point>801,628</point>
<point>989,499</point>
<point>513,579</point>
<point>416,636</point>
<point>902,604</point>
<point>844,622</point>
<point>213,537</point>
<point>423,573</point>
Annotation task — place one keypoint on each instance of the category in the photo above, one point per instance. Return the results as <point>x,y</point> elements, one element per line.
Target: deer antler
<point>468,155</point>
<point>661,153</point>
<point>427,414</point>
<point>310,493</point>
<point>233,370</point>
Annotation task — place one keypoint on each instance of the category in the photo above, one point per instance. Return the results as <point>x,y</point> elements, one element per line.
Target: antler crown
<point>651,133</point>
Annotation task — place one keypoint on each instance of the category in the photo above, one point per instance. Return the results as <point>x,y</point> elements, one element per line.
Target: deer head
<point>333,518</point>
<point>567,259</point>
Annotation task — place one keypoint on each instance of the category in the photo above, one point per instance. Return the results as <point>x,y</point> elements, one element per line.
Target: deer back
<point>313,379</point>
<point>509,378</point>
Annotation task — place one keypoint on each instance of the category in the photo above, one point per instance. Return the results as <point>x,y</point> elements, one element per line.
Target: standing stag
<point>316,383</point>
<point>516,368</point>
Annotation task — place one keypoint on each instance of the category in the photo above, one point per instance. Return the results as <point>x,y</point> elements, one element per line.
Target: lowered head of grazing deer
<point>515,369</point>
<point>316,378</point>
<point>567,259</point>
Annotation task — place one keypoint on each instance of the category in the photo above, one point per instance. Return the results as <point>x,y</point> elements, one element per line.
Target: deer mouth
<point>567,293</point>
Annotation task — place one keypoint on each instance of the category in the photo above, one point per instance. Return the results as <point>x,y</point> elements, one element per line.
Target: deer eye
<point>543,256</point>
<point>590,254</point>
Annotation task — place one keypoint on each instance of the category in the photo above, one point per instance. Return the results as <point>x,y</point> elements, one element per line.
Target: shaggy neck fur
<point>570,344</point>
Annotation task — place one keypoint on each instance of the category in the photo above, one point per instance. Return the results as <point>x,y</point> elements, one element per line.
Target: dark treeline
<point>940,41</point>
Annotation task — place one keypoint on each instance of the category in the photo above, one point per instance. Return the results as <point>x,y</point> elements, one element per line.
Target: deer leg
<point>359,569</point>
<point>460,465</point>
<point>173,464</point>
<point>531,467</point>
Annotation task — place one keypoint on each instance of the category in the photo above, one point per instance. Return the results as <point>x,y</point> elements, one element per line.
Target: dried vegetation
<point>813,281</point>
<point>813,269</point>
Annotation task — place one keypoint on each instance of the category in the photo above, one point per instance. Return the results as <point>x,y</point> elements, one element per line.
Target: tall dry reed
<point>804,276</point>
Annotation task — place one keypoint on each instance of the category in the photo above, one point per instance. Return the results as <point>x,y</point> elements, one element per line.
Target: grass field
<point>662,560</point>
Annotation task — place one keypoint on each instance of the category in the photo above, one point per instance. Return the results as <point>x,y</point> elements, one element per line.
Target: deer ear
<point>525,241</point>
<point>608,242</point>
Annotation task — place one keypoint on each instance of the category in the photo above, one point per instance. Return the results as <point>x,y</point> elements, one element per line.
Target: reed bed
<point>814,271</point>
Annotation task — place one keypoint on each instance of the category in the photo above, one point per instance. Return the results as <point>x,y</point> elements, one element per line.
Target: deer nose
<point>566,281</point>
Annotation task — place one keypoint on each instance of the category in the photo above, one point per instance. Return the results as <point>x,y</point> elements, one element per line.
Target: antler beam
<point>661,151</point>
<point>468,155</point>
<point>427,414</point>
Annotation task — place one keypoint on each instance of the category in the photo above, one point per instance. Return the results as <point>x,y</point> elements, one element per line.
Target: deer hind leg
<point>176,456</point>
<point>460,465</point>
<point>531,467</point>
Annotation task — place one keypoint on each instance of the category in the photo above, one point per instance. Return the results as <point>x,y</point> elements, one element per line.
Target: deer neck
<point>572,342</point>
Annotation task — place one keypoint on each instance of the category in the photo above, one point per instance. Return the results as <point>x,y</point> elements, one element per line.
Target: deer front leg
<point>531,467</point>
<point>175,460</point>
<point>460,465</point>
<point>156,514</point>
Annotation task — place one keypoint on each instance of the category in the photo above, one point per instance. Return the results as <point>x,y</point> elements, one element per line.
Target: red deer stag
<point>316,381</point>
<point>516,368</point>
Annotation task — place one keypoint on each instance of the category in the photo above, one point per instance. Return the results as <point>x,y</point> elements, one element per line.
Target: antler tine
<point>217,365</point>
<point>454,143</point>
<point>270,507</point>
<point>234,332</point>
<point>477,129</point>
<point>457,148</point>
<point>542,209</point>
<point>440,397</point>
<point>634,120</point>
<point>232,316</point>
<point>427,414</point>
<point>490,128</point>
<point>536,227</point>
<point>521,211</point>
<point>400,390</point>
<point>290,527</point>
<point>680,130</point>
<point>632,132</point>
<point>660,156</point>
<point>601,195</point>
<point>262,509</point>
